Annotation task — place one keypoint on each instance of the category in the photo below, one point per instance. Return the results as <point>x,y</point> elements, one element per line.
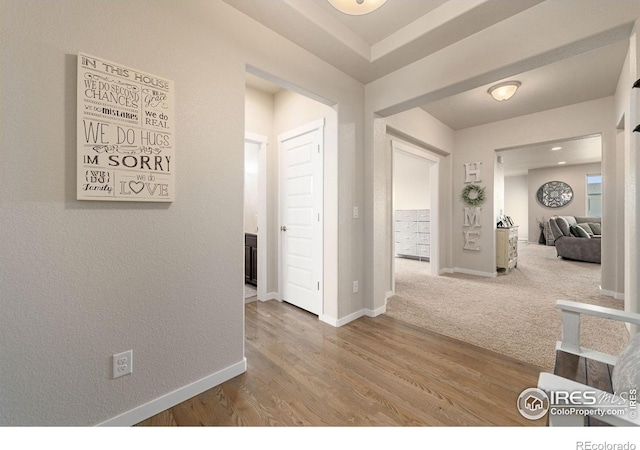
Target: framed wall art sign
<point>126,132</point>
<point>554,194</point>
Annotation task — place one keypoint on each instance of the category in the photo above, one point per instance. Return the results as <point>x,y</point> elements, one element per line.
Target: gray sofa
<point>574,240</point>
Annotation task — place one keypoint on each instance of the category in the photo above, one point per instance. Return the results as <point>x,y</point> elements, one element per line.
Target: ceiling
<point>373,45</point>
<point>402,32</point>
<point>584,150</point>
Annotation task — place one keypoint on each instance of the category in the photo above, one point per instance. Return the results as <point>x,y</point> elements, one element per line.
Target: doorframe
<point>434,194</point>
<point>303,129</point>
<point>263,232</point>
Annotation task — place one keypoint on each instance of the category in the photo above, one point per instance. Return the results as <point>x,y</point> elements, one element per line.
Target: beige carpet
<point>511,314</point>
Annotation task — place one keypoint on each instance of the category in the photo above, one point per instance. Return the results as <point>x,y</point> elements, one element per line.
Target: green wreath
<point>473,195</point>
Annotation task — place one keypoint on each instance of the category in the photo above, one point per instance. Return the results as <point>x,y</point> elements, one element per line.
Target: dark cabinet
<point>251,259</point>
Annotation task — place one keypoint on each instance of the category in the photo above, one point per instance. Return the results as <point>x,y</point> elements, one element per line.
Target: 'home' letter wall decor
<point>126,131</point>
<point>472,195</point>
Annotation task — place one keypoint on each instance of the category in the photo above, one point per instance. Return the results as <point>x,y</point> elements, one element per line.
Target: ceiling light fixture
<point>555,149</point>
<point>562,162</point>
<point>357,7</point>
<point>504,91</point>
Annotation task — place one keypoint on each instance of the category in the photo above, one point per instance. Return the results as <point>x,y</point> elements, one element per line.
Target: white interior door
<point>301,217</point>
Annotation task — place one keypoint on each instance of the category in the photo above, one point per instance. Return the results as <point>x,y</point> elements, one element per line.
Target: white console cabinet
<point>506,248</point>
<point>413,233</point>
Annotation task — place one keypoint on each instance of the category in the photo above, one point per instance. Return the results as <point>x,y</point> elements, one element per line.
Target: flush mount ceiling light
<point>555,149</point>
<point>504,91</point>
<point>357,7</point>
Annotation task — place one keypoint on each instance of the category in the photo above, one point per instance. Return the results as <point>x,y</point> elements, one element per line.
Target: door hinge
<point>318,285</point>
<point>318,148</point>
<point>318,217</point>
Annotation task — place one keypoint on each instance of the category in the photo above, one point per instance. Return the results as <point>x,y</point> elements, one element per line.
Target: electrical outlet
<point>122,364</point>
<point>356,213</point>
<point>355,287</point>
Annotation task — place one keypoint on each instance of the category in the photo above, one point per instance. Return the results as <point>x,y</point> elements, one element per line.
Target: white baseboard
<point>376,312</point>
<point>389,294</point>
<point>271,296</point>
<point>343,321</point>
<point>171,399</point>
<point>445,270</point>
<point>353,316</point>
<point>475,272</point>
<point>616,295</point>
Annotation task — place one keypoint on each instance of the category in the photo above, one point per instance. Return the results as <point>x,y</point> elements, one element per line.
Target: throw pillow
<point>563,225</point>
<point>587,228</point>
<point>596,228</point>
<point>578,231</point>
<point>626,372</point>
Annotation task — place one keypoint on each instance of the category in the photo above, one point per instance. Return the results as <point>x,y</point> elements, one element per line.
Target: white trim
<point>616,295</point>
<point>445,270</point>
<point>271,296</point>
<point>311,126</point>
<point>422,153</point>
<point>256,138</point>
<point>375,312</point>
<point>353,316</point>
<point>389,294</point>
<point>263,234</point>
<point>474,272</point>
<point>328,319</point>
<point>171,399</point>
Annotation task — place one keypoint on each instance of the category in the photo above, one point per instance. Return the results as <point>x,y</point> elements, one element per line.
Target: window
<point>594,195</point>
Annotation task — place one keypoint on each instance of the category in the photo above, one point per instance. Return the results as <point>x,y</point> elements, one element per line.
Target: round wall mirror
<point>555,194</point>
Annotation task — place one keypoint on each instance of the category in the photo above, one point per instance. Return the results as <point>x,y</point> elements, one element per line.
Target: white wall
<point>84,280</point>
<point>480,143</point>
<point>259,112</point>
<point>631,172</point>
<point>516,205</point>
<point>259,119</point>
<point>422,132</point>
<point>467,65</point>
<point>251,188</point>
<point>498,190</point>
<point>576,177</point>
<point>411,181</point>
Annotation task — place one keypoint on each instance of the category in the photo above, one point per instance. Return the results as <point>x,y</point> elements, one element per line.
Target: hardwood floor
<point>370,372</point>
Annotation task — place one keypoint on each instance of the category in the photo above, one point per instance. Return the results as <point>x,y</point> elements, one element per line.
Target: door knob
<point>283,228</point>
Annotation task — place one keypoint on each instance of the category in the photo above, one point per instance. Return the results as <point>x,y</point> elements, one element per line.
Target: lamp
<point>504,91</point>
<point>356,7</point>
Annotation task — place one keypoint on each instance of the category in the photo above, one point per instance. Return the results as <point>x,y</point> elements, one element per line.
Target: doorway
<point>301,230</point>
<point>282,113</point>
<point>415,212</point>
<point>255,216</point>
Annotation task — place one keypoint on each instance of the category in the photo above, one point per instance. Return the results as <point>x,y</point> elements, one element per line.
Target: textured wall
<point>81,281</point>
<point>411,182</point>
<point>516,205</point>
